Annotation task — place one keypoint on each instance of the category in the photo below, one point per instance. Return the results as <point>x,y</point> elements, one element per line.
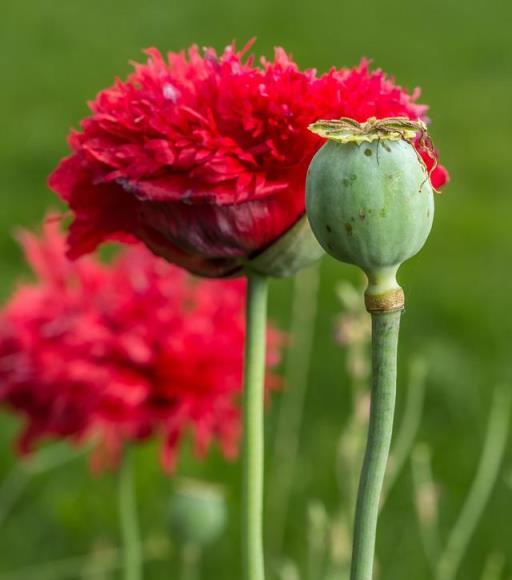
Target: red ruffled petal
<point>122,353</point>
<point>206,154</point>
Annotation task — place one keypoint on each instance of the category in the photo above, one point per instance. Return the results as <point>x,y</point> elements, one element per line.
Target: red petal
<point>102,212</point>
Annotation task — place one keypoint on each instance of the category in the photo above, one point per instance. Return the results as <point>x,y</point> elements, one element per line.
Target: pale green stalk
<point>385,328</point>
<point>253,447</point>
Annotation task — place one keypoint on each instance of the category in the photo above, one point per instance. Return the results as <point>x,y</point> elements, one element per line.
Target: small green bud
<point>197,513</point>
<point>370,201</point>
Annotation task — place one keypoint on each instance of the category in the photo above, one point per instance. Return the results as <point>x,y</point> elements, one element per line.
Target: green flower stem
<point>253,448</point>
<point>385,327</point>
<point>132,556</point>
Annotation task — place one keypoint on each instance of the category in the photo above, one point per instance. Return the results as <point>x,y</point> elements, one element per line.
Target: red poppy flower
<point>204,157</point>
<point>123,352</point>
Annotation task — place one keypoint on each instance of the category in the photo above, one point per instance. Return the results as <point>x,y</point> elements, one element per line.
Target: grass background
<point>55,55</point>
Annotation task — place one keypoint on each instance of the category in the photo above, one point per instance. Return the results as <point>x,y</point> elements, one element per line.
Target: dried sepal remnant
<point>346,130</point>
<point>390,301</point>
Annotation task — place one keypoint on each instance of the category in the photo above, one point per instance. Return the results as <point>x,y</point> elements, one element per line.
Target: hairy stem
<point>385,327</point>
<point>253,448</point>
<point>132,557</point>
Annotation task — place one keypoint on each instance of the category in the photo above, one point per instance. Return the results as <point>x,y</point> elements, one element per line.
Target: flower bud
<point>197,513</point>
<point>369,199</point>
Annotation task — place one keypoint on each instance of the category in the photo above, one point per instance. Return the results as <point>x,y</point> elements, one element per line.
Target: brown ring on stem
<point>390,301</point>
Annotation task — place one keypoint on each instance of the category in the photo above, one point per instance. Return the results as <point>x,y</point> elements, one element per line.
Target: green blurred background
<point>56,55</point>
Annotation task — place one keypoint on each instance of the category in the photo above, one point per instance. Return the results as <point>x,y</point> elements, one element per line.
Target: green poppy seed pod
<point>370,201</point>
<point>197,513</point>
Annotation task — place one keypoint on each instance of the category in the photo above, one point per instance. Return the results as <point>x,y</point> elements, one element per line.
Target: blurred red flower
<point>203,157</point>
<point>123,351</point>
